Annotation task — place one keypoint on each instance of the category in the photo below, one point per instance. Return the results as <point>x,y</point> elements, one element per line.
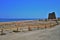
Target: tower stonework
<point>52,15</point>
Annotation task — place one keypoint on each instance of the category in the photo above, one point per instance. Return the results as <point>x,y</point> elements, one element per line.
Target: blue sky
<point>28,8</point>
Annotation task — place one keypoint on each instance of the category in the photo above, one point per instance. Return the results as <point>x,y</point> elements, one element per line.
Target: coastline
<point>17,21</point>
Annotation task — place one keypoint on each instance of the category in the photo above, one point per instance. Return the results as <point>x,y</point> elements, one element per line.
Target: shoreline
<point>18,21</point>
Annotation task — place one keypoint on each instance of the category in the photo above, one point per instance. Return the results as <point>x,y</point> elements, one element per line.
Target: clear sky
<point>28,8</point>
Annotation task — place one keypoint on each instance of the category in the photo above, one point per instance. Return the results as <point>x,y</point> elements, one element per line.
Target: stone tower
<point>52,15</point>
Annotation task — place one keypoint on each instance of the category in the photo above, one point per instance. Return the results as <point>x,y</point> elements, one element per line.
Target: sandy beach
<point>28,30</point>
<point>45,34</point>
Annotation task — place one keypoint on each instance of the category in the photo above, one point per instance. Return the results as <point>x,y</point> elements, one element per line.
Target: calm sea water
<point>9,20</point>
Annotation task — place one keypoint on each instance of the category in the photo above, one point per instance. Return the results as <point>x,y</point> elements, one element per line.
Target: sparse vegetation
<point>28,24</point>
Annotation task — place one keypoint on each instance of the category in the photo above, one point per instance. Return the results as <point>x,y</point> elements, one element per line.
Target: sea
<point>11,20</point>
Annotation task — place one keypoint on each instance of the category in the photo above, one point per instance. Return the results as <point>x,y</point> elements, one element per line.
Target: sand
<point>28,23</point>
<point>43,34</point>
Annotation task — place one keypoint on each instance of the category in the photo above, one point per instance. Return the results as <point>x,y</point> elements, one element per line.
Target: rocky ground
<point>42,34</point>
